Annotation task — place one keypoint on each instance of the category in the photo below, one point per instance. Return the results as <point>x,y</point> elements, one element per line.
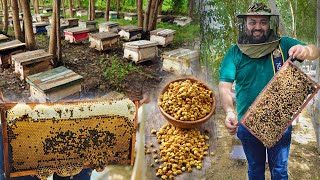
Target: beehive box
<point>162,36</point>
<point>91,25</point>
<point>54,84</point>
<point>182,21</point>
<point>82,13</point>
<point>113,14</point>
<point>71,22</point>
<point>47,10</point>
<point>181,61</point>
<point>62,28</point>
<point>279,104</point>
<point>3,38</point>
<point>130,32</point>
<point>76,34</point>
<point>139,51</point>
<point>103,41</point>
<point>42,18</point>
<point>130,16</point>
<point>99,14</point>
<point>67,136</point>
<point>39,27</point>
<point>50,19</point>
<point>109,27</point>
<point>8,49</point>
<point>31,62</point>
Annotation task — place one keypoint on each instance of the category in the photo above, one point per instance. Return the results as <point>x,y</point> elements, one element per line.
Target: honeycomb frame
<point>68,158</point>
<point>268,117</point>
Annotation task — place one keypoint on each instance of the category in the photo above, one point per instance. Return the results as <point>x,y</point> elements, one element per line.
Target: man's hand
<point>231,122</point>
<point>299,52</point>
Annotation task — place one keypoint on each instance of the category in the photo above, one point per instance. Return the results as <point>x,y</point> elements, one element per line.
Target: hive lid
<point>162,32</point>
<point>88,22</point>
<point>11,44</point>
<point>26,57</point>
<point>109,23</point>
<point>77,30</point>
<point>3,37</point>
<point>39,24</point>
<point>140,44</point>
<point>181,53</point>
<point>130,28</point>
<point>53,79</point>
<point>130,14</point>
<point>104,35</point>
<point>113,12</point>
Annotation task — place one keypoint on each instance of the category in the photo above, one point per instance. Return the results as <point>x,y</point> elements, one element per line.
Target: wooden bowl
<point>187,124</point>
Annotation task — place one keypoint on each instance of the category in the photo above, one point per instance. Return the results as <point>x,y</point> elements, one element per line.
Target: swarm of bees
<point>274,109</point>
<point>67,137</point>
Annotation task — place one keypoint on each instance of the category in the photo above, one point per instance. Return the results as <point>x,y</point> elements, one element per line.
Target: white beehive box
<point>109,27</point>
<point>139,51</point>
<point>130,16</point>
<point>182,21</point>
<point>82,13</point>
<point>113,14</point>
<point>162,36</point>
<point>104,40</point>
<point>31,62</point>
<point>181,61</point>
<point>91,25</point>
<point>130,32</point>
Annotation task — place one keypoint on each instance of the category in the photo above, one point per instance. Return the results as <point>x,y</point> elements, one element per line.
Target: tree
<point>70,8</point>
<point>30,40</point>
<point>36,6</point>
<point>107,10</point>
<point>91,16</point>
<point>16,20</point>
<point>151,15</point>
<point>191,3</point>
<point>276,11</point>
<point>54,38</point>
<point>118,6</point>
<point>139,8</point>
<point>5,17</point>
<point>59,50</point>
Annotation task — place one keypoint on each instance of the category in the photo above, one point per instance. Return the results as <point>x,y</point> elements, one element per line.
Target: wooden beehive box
<point>109,27</point>
<point>182,21</point>
<point>113,14</point>
<point>71,22</point>
<point>39,27</point>
<point>162,36</point>
<point>91,25</point>
<point>279,103</point>
<point>62,28</point>
<point>50,19</point>
<point>130,16</point>
<point>8,49</point>
<point>31,62</point>
<point>181,61</point>
<point>42,18</point>
<point>76,34</point>
<point>99,14</point>
<point>130,32</point>
<point>47,10</point>
<point>82,13</point>
<point>54,84</point>
<point>139,51</point>
<point>3,38</point>
<point>104,40</point>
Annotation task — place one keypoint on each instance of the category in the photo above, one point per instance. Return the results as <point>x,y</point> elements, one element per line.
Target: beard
<point>257,40</point>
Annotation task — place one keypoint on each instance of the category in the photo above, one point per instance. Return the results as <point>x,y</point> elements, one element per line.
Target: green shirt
<point>251,75</point>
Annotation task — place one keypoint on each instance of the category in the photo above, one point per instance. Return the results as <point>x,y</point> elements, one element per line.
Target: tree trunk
<point>20,7</point>
<point>16,20</point>
<point>59,50</point>
<point>153,15</point>
<point>191,3</point>
<point>293,15</point>
<point>160,7</point>
<point>63,8</point>
<point>30,40</point>
<point>107,10</point>
<point>146,16</point>
<point>276,11</point>
<point>36,6</point>
<point>70,8</point>
<point>118,6</point>
<point>5,17</point>
<point>139,8</point>
<point>79,4</point>
<point>92,9</point>
<point>124,2</point>
<point>53,35</point>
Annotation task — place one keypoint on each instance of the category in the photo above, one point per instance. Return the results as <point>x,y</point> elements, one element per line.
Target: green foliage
<point>116,70</point>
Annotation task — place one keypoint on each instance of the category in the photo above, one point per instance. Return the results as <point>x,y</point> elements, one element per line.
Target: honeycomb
<point>279,103</point>
<point>66,137</point>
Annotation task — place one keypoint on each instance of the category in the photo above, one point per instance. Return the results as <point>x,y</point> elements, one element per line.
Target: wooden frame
<point>8,105</point>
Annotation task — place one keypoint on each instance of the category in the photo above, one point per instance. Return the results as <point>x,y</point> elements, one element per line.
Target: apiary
<point>130,32</point>
<point>42,18</point>
<point>54,84</point>
<point>76,34</point>
<point>91,25</point>
<point>139,51</point>
<point>181,61</point>
<point>99,14</point>
<point>162,36</point>
<point>62,28</point>
<point>82,13</point>
<point>279,104</point>
<point>31,62</point>
<point>109,27</point>
<point>3,38</point>
<point>71,22</point>
<point>182,21</point>
<point>130,16</point>
<point>47,10</point>
<point>104,40</point>
<point>69,136</point>
<point>39,27</point>
<point>113,14</point>
<point>8,49</point>
<point>50,19</point>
